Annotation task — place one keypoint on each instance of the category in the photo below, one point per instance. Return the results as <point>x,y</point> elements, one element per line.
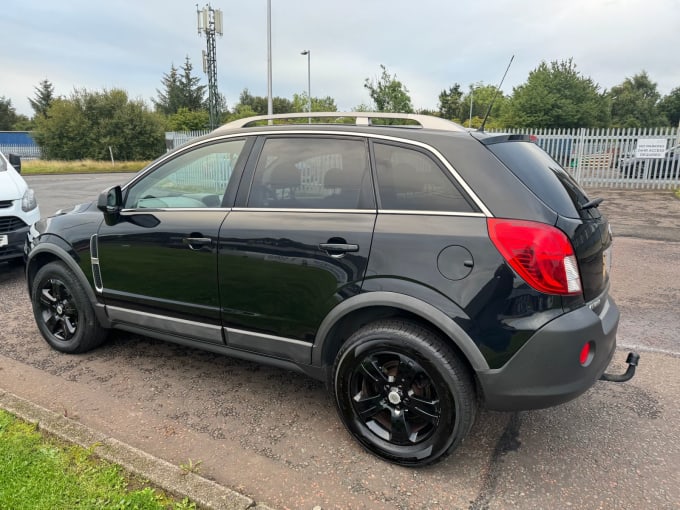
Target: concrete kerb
<point>170,478</point>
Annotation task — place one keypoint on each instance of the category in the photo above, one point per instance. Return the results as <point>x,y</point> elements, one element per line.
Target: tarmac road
<point>274,435</point>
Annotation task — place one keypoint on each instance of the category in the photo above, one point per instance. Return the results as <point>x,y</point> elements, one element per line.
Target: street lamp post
<point>270,107</point>
<point>309,82</point>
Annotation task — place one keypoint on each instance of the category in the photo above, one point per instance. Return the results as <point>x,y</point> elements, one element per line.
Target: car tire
<point>63,312</point>
<point>403,393</point>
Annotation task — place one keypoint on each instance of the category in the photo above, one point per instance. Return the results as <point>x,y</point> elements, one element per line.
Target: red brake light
<point>541,254</point>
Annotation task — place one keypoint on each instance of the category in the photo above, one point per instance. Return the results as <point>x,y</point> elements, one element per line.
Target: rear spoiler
<point>490,140</point>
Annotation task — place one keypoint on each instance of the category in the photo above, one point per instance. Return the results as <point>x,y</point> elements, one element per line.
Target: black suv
<point>418,268</point>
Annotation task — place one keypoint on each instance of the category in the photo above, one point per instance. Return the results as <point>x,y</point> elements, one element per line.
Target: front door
<point>159,261</point>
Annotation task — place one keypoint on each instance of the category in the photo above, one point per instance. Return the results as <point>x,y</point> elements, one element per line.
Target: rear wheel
<point>64,314</point>
<point>403,393</point>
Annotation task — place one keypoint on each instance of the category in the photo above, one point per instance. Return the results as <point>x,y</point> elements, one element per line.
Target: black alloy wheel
<point>402,392</point>
<point>63,312</point>
<point>58,310</point>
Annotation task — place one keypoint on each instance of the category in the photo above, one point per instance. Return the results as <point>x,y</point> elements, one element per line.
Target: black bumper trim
<point>547,371</point>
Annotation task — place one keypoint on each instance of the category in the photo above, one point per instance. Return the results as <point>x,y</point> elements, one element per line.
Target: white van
<point>18,209</point>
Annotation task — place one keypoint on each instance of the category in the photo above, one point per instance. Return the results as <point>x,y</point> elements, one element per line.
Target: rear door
<point>298,242</point>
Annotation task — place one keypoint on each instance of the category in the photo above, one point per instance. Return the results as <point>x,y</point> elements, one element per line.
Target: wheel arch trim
<point>404,302</point>
<point>63,256</point>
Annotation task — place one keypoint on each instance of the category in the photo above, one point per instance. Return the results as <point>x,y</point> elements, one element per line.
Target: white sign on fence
<point>652,148</point>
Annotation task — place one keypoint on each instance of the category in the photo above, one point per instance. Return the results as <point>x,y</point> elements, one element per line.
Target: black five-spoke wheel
<point>63,310</point>
<point>395,398</point>
<point>57,309</point>
<point>403,393</point>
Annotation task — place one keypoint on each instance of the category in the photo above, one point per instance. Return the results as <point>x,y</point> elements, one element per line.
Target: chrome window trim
<point>478,202</point>
<point>432,213</point>
<point>361,211</point>
<point>181,209</point>
<point>303,210</point>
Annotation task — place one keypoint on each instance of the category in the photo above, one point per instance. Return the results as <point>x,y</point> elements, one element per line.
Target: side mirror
<point>15,161</point>
<point>110,202</point>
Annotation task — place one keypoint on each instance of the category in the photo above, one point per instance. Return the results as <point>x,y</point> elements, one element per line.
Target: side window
<point>195,179</point>
<point>409,180</point>
<point>311,173</point>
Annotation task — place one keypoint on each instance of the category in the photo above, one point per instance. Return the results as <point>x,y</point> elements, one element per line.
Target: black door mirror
<point>15,161</point>
<point>110,202</point>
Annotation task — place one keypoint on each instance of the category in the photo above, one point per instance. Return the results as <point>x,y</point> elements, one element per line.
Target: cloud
<point>429,44</point>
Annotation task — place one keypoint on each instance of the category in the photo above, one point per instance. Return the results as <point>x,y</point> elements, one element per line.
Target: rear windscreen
<point>543,176</point>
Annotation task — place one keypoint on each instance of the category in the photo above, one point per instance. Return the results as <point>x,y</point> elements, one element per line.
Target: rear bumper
<point>546,371</point>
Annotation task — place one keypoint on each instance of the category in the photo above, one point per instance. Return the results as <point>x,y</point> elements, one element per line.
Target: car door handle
<point>338,250</point>
<point>195,243</point>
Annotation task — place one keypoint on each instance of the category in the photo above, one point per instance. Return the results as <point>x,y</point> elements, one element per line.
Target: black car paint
<point>487,311</point>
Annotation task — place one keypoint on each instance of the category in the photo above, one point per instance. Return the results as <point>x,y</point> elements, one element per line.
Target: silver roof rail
<point>362,119</point>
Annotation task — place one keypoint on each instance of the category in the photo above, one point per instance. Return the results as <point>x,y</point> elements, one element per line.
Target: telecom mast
<point>210,23</point>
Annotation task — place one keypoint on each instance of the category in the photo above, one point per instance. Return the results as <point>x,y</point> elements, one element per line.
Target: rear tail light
<point>541,254</point>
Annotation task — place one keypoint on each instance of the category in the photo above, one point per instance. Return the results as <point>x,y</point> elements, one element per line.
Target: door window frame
<point>234,179</point>
<point>367,194</point>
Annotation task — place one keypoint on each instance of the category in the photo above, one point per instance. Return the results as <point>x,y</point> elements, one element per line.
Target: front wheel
<point>64,314</point>
<point>403,393</point>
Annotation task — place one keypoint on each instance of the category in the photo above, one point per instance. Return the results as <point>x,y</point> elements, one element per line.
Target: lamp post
<point>309,82</point>
<point>270,108</point>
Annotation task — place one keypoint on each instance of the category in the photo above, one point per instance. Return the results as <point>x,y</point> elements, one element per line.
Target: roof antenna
<point>488,112</point>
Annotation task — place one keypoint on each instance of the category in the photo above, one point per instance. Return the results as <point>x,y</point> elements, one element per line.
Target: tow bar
<point>632,360</point>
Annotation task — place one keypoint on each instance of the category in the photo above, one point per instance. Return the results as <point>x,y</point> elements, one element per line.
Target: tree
<point>482,97</point>
<point>670,106</point>
<point>450,105</point>
<point>193,94</point>
<point>557,95</point>
<point>88,123</point>
<point>170,99</point>
<point>258,104</point>
<point>186,120</point>
<point>635,103</point>
<point>388,93</point>
<point>8,114</point>
<point>300,103</point>
<point>44,95</point>
<point>180,90</point>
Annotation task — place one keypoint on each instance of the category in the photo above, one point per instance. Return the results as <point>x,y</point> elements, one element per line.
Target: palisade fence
<point>25,151</point>
<point>594,157</point>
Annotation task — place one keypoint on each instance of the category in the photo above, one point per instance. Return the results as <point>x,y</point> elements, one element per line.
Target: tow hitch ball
<point>632,360</point>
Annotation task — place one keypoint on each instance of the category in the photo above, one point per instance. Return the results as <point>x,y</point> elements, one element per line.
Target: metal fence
<point>594,157</point>
<point>25,151</point>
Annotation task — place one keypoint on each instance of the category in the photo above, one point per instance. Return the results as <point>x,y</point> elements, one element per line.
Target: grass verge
<point>84,166</point>
<point>39,472</point>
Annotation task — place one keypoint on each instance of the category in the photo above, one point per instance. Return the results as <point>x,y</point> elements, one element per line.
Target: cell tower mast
<point>210,24</point>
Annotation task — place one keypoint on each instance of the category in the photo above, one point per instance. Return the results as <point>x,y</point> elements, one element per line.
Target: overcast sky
<point>429,44</point>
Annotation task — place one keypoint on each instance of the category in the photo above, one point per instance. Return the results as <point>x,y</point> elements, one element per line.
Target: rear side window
<point>312,173</point>
<point>543,176</point>
<point>410,180</point>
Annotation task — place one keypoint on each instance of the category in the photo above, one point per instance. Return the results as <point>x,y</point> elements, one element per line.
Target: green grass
<point>39,472</point>
<point>85,166</point>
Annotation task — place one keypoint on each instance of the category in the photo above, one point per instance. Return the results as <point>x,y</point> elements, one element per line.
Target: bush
<point>85,125</point>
